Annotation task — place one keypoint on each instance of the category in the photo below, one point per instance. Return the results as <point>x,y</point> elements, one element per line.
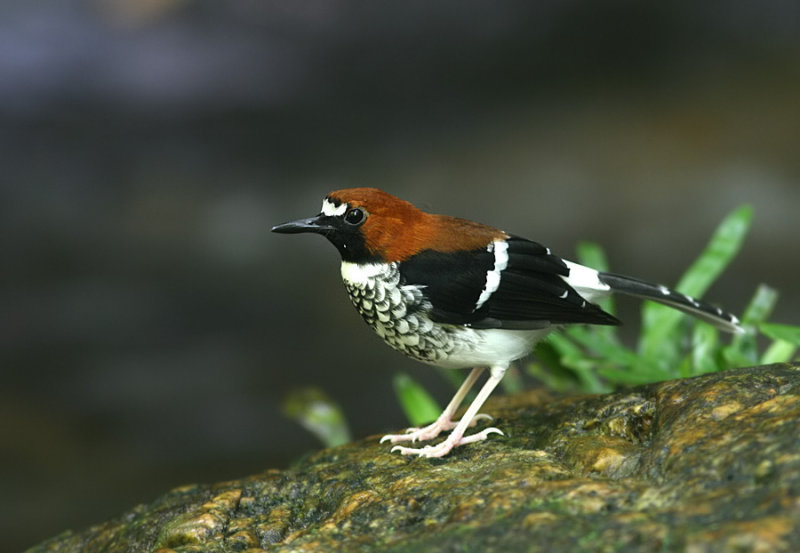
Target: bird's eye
<point>355,216</point>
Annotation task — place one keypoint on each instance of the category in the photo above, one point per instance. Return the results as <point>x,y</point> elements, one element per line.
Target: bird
<point>459,294</point>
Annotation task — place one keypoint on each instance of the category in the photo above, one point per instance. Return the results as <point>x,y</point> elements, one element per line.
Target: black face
<point>342,229</point>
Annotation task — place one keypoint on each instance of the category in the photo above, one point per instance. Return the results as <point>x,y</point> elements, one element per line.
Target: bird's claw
<point>429,432</point>
<point>443,448</point>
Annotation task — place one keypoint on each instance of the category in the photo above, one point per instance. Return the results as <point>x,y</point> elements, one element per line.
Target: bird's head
<point>370,225</point>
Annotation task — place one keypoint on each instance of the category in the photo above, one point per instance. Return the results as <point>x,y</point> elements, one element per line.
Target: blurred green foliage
<point>418,405</point>
<point>671,345</point>
<point>317,413</point>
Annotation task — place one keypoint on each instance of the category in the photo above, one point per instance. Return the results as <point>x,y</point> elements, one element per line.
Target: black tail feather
<point>661,294</point>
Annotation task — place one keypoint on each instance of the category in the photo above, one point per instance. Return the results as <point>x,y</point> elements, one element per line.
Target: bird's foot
<point>431,431</point>
<point>443,448</point>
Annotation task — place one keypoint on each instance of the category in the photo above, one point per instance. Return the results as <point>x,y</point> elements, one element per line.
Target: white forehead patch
<point>332,210</point>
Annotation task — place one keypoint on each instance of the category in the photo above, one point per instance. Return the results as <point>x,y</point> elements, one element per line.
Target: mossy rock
<point>704,464</point>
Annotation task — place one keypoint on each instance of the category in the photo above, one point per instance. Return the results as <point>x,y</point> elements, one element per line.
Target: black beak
<point>320,224</point>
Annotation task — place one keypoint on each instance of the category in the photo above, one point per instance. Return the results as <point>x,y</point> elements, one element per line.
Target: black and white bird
<point>459,294</point>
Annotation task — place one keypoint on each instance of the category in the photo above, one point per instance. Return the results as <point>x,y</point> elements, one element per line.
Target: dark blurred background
<point>150,325</point>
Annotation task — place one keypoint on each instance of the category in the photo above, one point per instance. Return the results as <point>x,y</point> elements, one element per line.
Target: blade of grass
<point>787,333</point>
<point>559,381</point>
<point>634,375</point>
<point>779,351</point>
<point>608,350</point>
<point>743,349</point>
<point>318,414</point>
<point>587,372</point>
<point>761,306</point>
<point>684,368</point>
<point>722,248</point>
<point>417,403</point>
<point>659,325</point>
<point>562,345</point>
<point>659,341</point>
<point>571,356</point>
<point>705,340</point>
<point>549,370</point>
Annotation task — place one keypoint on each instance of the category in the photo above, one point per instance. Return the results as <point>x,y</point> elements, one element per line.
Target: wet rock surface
<point>702,465</point>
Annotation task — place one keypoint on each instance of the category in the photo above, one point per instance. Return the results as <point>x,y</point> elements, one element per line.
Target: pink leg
<point>457,438</point>
<point>445,420</point>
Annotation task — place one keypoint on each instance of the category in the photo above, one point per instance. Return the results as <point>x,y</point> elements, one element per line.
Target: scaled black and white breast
<point>399,313</point>
<point>395,312</point>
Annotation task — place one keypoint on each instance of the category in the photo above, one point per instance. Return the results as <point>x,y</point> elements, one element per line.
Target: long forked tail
<point>661,294</point>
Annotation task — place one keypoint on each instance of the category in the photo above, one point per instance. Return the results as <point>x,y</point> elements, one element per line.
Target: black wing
<point>531,294</point>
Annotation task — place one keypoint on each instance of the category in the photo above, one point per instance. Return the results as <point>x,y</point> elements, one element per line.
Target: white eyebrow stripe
<point>331,209</point>
<point>493,275</point>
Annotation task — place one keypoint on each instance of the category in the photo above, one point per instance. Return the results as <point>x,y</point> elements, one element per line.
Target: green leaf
<point>660,324</point>
<point>705,339</point>
<point>563,346</point>
<point>760,306</point>
<point>779,351</point>
<point>585,370</point>
<point>787,333</point>
<point>314,411</point>
<point>671,345</point>
<point>549,369</point>
<point>567,364</point>
<point>559,381</point>
<point>607,349</point>
<point>743,349</point>
<point>417,403</point>
<point>737,358</point>
<point>634,375</point>
<point>725,243</point>
<point>685,368</point>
